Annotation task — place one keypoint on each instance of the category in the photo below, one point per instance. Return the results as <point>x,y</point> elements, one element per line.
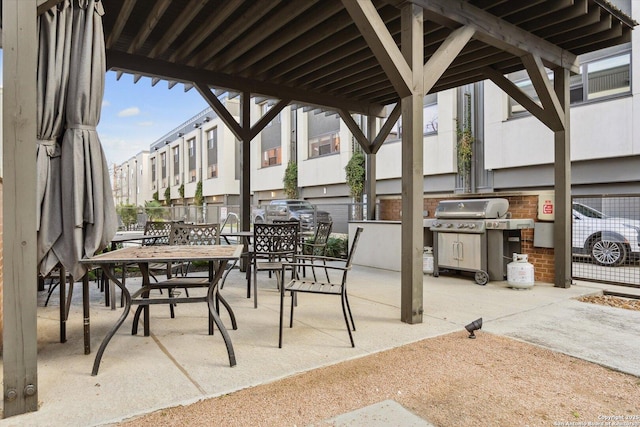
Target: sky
<point>136,115</point>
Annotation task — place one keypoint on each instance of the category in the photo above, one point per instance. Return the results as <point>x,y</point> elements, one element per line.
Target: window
<point>271,157</point>
<point>264,109</point>
<point>600,77</point>
<point>176,165</point>
<point>163,161</point>
<point>192,159</point>
<point>324,145</point>
<point>212,153</point>
<point>430,114</point>
<point>153,173</point>
<point>429,118</point>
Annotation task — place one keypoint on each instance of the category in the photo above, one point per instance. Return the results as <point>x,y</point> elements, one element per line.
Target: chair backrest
<point>323,231</point>
<point>158,228</point>
<point>354,245</point>
<point>195,234</point>
<point>276,239</point>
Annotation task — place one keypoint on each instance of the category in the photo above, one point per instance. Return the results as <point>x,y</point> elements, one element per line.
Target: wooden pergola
<point>350,56</point>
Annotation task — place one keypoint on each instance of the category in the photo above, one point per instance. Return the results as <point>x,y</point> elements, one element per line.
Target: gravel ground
<point>448,380</point>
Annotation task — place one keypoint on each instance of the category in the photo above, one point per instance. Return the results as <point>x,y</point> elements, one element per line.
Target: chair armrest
<point>319,258</point>
<point>286,265</point>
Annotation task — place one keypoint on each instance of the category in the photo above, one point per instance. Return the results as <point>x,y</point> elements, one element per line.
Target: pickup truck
<point>290,210</point>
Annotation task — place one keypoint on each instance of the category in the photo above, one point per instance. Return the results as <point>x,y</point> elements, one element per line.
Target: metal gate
<point>606,239</point>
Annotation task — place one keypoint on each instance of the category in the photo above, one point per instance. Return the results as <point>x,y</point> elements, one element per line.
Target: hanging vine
<point>290,180</point>
<point>465,144</point>
<point>198,198</point>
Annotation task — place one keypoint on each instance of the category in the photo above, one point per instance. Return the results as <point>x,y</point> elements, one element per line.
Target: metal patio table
<point>216,255</point>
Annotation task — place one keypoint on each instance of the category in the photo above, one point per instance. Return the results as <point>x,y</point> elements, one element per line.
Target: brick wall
<point>521,206</point>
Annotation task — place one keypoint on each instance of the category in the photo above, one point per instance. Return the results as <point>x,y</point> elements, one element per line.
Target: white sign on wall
<point>547,207</point>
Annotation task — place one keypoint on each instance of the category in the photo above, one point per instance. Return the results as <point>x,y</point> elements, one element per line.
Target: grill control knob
<point>449,225</point>
<point>472,226</point>
<point>460,225</point>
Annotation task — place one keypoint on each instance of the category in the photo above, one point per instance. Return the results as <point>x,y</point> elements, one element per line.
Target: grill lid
<point>472,208</point>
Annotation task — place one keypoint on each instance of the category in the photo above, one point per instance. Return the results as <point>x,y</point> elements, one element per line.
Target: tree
<point>290,180</point>
<point>156,196</point>
<point>128,214</point>
<point>154,209</point>
<point>167,196</point>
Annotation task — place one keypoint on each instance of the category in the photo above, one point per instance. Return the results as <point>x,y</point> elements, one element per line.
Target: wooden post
<point>411,307</point>
<point>370,174</point>
<point>245,162</point>
<point>562,233</point>
<point>20,47</point>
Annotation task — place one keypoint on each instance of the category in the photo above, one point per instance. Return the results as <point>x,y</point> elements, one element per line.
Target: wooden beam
<point>386,128</point>
<point>562,186</point>
<point>327,47</point>
<point>444,56</point>
<point>355,131</point>
<point>260,32</point>
<point>500,33</point>
<point>169,71</point>
<point>220,109</point>
<point>44,5</point>
<point>237,26</point>
<point>544,89</point>
<point>381,43</point>
<point>179,24</point>
<point>517,94</point>
<point>20,343</point>
<point>204,31</point>
<point>123,18</point>
<point>154,16</point>
<point>291,36</point>
<point>266,119</point>
<point>411,301</point>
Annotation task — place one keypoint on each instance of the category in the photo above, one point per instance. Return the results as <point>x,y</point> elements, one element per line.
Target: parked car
<point>291,210</point>
<point>607,240</point>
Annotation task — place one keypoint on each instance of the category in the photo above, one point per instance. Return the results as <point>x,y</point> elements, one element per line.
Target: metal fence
<point>341,214</point>
<point>606,238</point>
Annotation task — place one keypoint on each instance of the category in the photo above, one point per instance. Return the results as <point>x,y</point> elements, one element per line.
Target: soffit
<point>311,51</point>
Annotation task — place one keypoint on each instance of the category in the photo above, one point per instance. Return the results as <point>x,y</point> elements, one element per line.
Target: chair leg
<point>346,298</point>
<point>248,275</point>
<point>346,319</point>
<point>281,317</point>
<point>63,305</point>
<point>293,299</point>
<point>255,287</point>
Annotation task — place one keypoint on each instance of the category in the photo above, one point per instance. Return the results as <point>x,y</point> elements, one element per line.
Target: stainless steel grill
<point>475,235</point>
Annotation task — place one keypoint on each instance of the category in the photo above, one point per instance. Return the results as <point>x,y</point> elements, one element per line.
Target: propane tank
<point>427,260</point>
<point>520,272</point>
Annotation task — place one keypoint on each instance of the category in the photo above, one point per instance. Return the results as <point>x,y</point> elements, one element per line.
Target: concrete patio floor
<point>179,363</point>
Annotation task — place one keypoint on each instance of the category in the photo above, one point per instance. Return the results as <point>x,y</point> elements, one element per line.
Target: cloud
<point>105,103</point>
<point>129,112</point>
<point>145,124</point>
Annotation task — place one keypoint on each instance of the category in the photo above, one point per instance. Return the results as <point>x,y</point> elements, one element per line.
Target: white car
<point>607,240</point>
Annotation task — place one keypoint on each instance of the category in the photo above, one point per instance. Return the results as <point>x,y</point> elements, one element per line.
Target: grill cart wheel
<point>481,277</point>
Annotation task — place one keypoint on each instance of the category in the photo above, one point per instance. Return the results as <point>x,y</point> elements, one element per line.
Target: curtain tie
<point>80,126</point>
<point>51,146</point>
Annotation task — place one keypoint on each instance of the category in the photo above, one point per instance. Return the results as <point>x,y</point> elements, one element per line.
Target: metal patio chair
<point>272,245</point>
<point>317,246</point>
<point>297,285</point>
